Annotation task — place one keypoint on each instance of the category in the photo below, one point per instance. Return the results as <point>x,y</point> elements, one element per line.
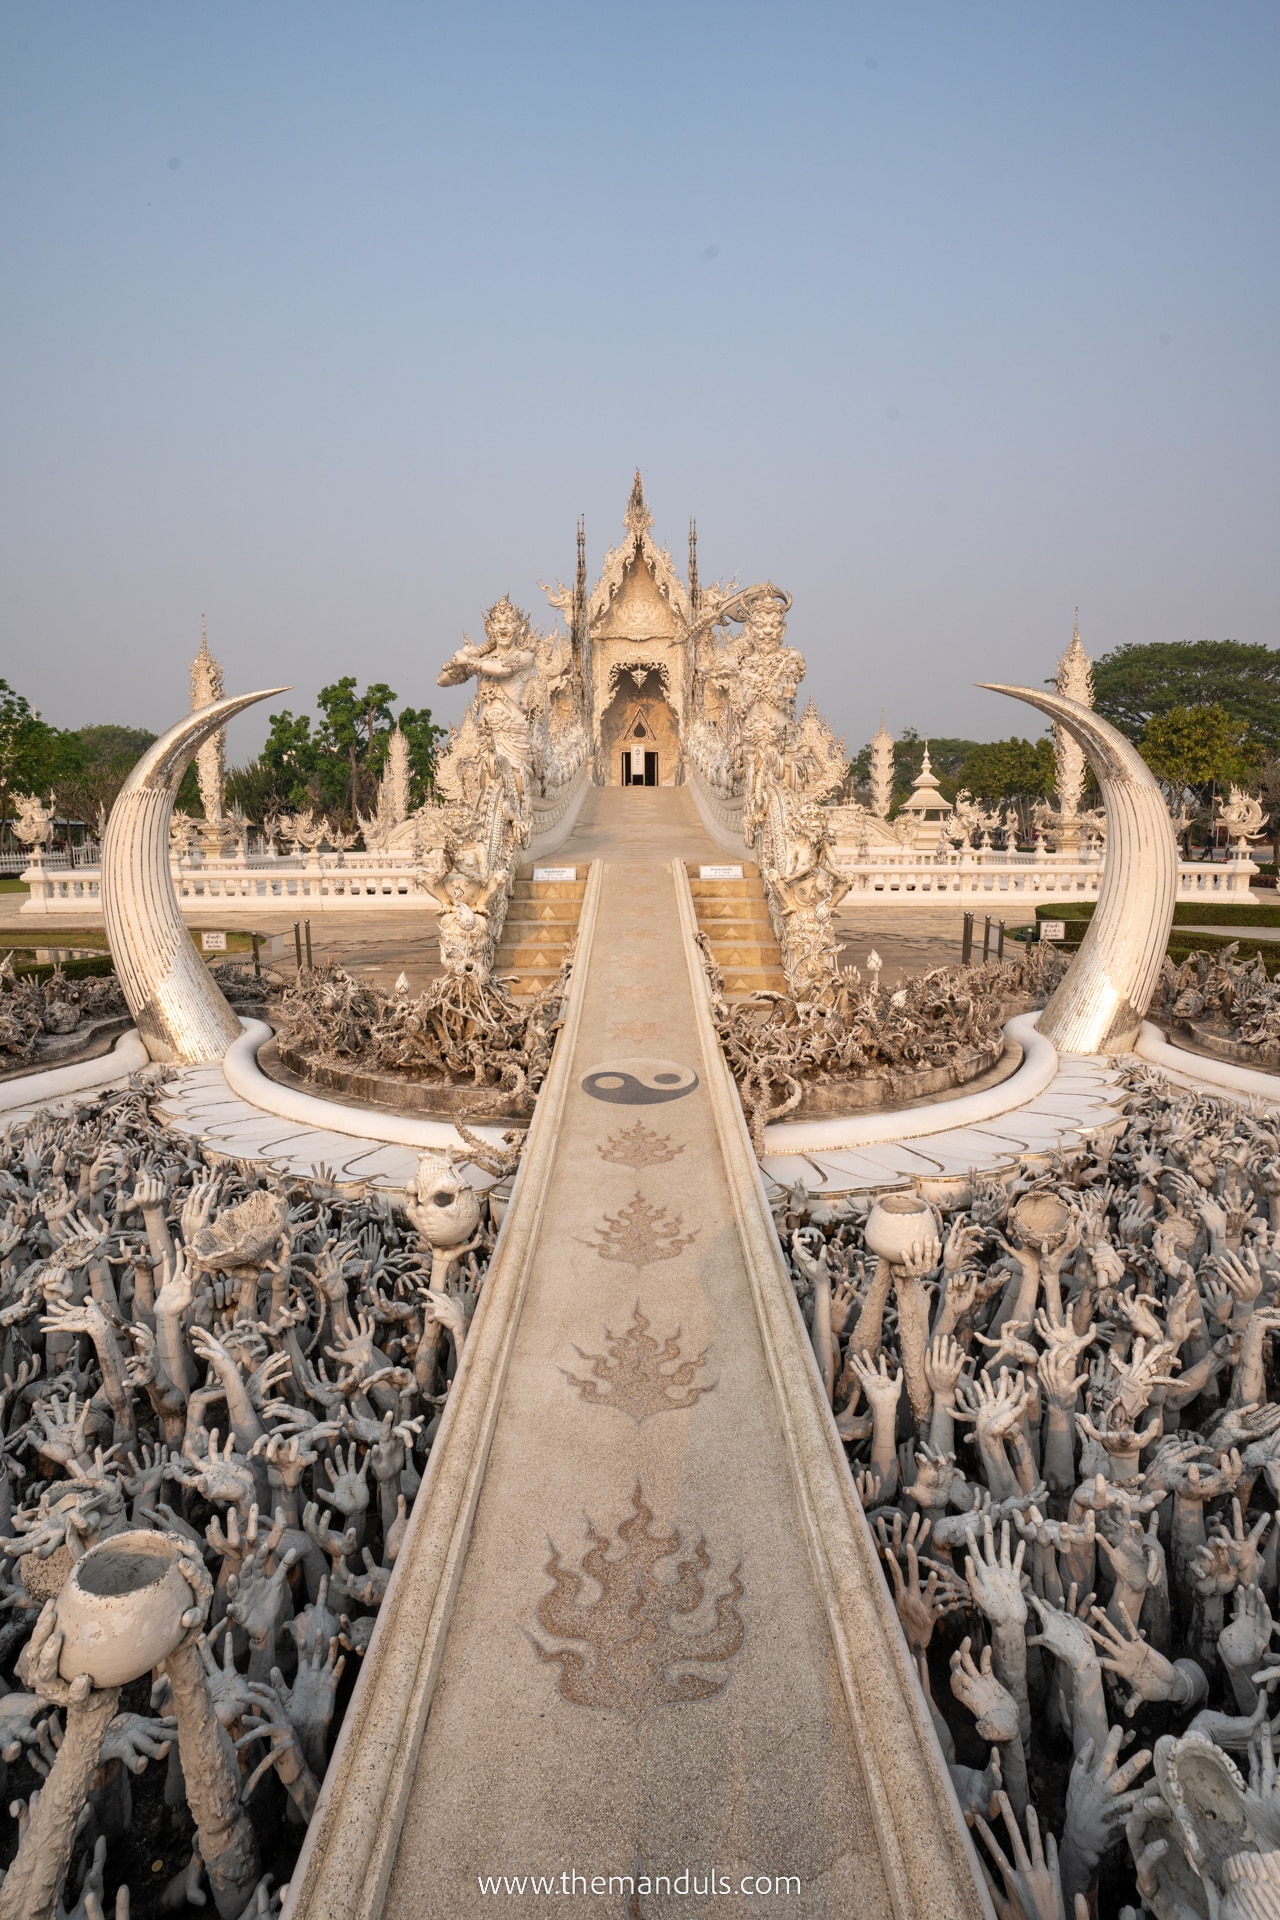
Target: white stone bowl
<point>120,1609</point>
<point>1041,1221</point>
<point>896,1222</point>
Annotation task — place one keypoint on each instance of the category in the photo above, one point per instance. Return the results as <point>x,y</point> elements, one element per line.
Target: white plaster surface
<point>1221,1075</point>
<point>31,1090</point>
<point>237,1113</point>
<point>1077,1098</point>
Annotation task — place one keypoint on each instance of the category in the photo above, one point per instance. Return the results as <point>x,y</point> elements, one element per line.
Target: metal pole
<point>999,939</point>
<point>297,943</point>
<point>966,945</point>
<point>257,962</point>
<point>986,939</point>
<point>307,927</point>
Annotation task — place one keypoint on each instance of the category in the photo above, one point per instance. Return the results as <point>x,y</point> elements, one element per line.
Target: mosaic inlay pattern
<point>641,1234</point>
<point>636,1147</point>
<point>628,1652</point>
<point>639,1375</point>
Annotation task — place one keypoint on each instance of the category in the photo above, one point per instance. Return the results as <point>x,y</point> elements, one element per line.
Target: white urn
<point>120,1609</point>
<point>896,1223</point>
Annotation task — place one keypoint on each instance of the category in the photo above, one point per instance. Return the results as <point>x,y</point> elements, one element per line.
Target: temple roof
<point>639,555</point>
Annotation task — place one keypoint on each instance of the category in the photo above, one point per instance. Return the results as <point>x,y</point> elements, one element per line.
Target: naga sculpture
<point>176,1006</point>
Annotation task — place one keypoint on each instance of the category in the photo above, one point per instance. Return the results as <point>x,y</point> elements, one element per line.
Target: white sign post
<point>213,942</point>
<point>1053,929</point>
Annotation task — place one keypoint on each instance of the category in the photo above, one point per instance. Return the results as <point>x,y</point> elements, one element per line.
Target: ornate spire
<point>206,674</point>
<point>693,565</point>
<point>1075,681</point>
<point>637,518</point>
<point>1075,670</point>
<point>394,799</point>
<point>211,757</point>
<point>880,778</point>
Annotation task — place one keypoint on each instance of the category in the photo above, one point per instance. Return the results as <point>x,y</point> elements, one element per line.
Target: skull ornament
<point>444,1208</point>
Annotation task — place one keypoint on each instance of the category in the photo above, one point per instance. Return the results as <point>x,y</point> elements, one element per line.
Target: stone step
<point>548,890</point>
<point>736,929</point>
<point>525,959</point>
<point>746,956</point>
<point>725,890</point>
<point>709,911</point>
<point>531,933</point>
<point>550,912</point>
<point>754,980</point>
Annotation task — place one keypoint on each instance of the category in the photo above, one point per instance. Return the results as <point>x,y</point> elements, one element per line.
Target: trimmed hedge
<point>1187,913</point>
<point>98,968</point>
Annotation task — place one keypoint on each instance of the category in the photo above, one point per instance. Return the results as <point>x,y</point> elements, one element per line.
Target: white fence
<point>65,887</point>
<point>1018,878</point>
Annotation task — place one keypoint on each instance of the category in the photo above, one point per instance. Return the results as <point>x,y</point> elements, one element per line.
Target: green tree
<point>285,772</point>
<point>28,751</point>
<point>91,764</point>
<point>1190,749</point>
<point>351,726</point>
<point>335,764</point>
<point>946,757</point>
<point>1009,769</point>
<point>1136,684</point>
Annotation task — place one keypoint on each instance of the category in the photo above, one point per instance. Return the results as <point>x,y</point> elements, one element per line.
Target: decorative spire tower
<point>637,519</point>
<point>394,798</point>
<point>211,758</point>
<point>1075,681</point>
<point>693,565</point>
<point>880,778</point>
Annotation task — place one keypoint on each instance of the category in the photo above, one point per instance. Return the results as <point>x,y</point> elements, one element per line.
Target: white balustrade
<point>910,877</point>
<point>63,886</point>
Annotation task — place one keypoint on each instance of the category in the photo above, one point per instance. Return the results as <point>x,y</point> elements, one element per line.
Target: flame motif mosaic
<point>639,1375</point>
<point>628,1651</point>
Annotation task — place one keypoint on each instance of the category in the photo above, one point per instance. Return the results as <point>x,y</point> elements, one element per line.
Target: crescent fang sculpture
<point>1103,1000</point>
<point>180,1013</point>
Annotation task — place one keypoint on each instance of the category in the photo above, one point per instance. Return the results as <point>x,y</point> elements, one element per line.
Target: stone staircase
<point>734,916</point>
<point>542,919</point>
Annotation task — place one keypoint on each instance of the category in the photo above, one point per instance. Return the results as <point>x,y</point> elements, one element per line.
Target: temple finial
<point>693,565</point>
<point>637,518</point>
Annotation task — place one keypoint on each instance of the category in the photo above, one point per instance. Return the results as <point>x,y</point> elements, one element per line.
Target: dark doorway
<point>631,777</point>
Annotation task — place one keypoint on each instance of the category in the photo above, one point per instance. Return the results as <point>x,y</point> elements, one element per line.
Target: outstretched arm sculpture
<point>179,1011</point>
<point>1102,1002</point>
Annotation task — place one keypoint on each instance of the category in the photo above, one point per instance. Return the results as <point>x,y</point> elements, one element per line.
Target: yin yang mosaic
<point>639,1082</point>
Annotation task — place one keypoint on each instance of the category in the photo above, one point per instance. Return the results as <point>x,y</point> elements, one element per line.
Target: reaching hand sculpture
<point>1094,1441</point>
<point>196,1365</point>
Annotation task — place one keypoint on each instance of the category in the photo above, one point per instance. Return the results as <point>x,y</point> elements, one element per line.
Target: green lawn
<point>1187,913</point>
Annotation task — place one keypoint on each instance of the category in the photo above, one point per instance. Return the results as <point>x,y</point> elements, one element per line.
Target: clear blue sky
<point>328,321</point>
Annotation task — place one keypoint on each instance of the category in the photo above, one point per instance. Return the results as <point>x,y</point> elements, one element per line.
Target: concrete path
<point>649,824</point>
<point>697,1721</point>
